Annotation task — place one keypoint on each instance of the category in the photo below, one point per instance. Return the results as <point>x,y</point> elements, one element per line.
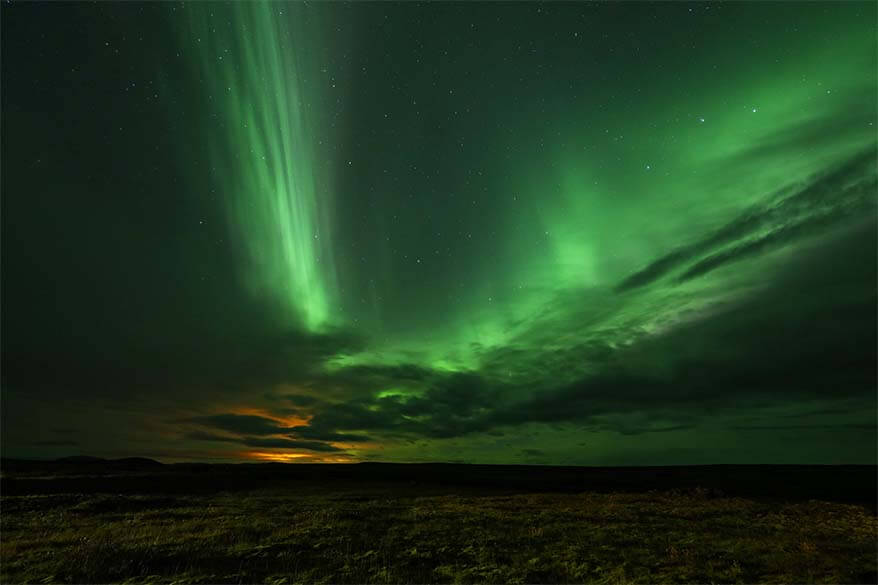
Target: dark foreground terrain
<point>139,521</point>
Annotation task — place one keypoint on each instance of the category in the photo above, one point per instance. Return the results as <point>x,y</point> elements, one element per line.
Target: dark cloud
<point>627,429</point>
<point>301,399</point>
<point>248,424</point>
<point>808,335</point>
<point>290,444</point>
<point>824,200</point>
<point>265,442</point>
<point>448,407</point>
<point>370,377</point>
<point>817,412</point>
<point>785,234</point>
<point>842,427</point>
<point>203,436</point>
<point>307,432</point>
<point>659,268</point>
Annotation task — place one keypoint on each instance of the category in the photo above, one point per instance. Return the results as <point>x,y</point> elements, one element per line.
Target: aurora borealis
<point>561,233</point>
<point>278,198</point>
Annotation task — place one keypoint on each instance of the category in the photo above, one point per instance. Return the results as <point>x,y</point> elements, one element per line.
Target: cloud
<point>782,235</point>
<point>592,357</point>
<point>824,200</point>
<point>871,427</point>
<point>307,432</point>
<point>806,334</point>
<point>259,431</point>
<point>301,399</point>
<point>449,406</point>
<point>248,424</point>
<point>265,442</point>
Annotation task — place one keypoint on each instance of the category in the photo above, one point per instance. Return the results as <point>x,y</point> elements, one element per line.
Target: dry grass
<point>288,537</point>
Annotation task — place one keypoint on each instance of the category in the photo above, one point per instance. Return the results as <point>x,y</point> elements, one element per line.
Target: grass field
<point>319,535</point>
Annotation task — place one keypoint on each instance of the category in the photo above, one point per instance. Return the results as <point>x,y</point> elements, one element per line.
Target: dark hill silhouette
<point>81,459</point>
<point>137,461</point>
<point>840,483</point>
<point>93,463</point>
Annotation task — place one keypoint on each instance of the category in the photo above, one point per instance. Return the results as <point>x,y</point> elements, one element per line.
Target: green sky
<point>586,233</point>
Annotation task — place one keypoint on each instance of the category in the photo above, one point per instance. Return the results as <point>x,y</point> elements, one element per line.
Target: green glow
<point>609,232</point>
<point>264,153</point>
<point>612,193</point>
<point>519,252</point>
<point>606,196</point>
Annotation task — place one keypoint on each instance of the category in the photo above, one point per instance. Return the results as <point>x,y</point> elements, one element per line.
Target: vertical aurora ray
<point>253,64</point>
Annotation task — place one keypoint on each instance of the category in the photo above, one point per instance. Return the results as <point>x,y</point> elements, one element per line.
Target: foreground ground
<point>395,533</point>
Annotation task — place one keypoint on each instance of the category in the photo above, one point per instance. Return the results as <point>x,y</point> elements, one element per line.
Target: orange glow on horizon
<point>295,457</point>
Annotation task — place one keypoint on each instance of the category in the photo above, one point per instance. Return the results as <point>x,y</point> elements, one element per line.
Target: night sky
<point>599,234</point>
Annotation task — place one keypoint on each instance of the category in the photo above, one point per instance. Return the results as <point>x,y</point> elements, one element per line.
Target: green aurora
<point>554,233</point>
<point>265,162</point>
